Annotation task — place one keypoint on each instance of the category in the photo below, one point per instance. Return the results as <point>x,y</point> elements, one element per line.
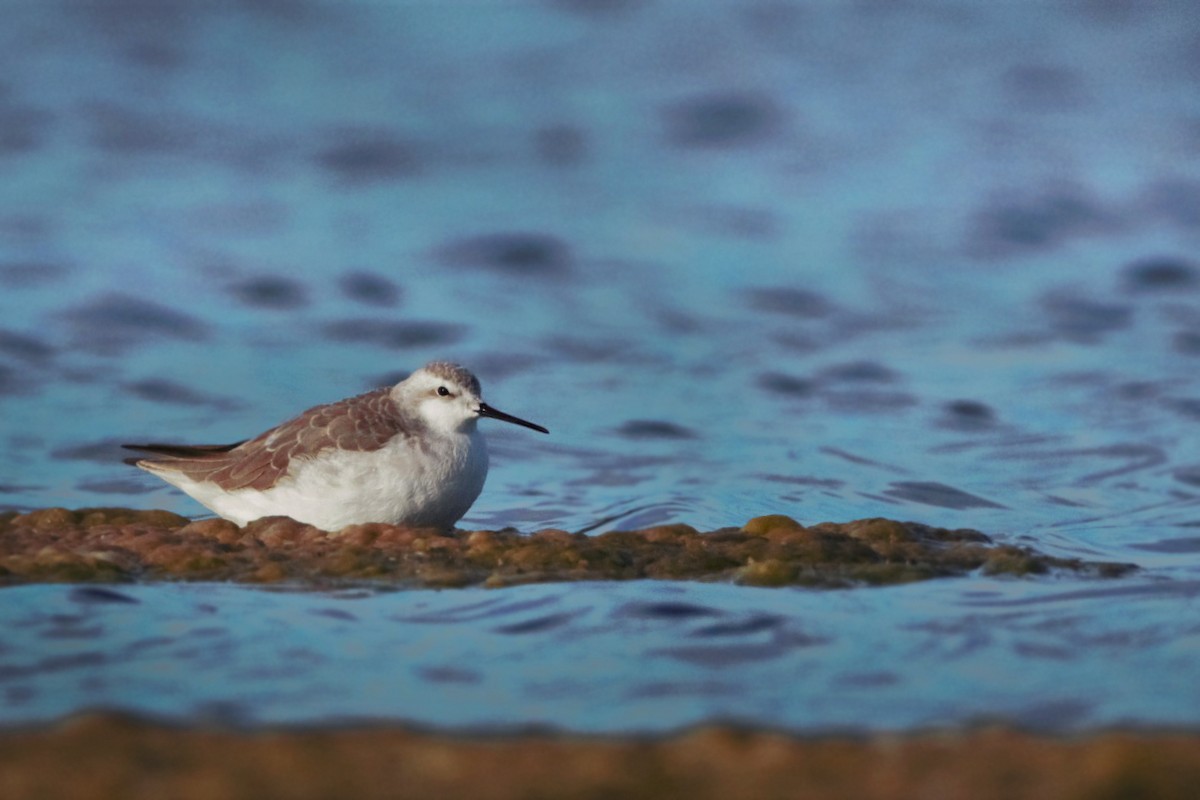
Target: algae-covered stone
<point>115,544</point>
<point>281,531</point>
<point>362,535</point>
<point>876,531</point>
<point>45,518</point>
<point>271,572</point>
<point>554,536</point>
<point>442,578</point>
<point>771,572</point>
<point>124,516</point>
<point>670,533</point>
<point>1013,561</point>
<point>760,526</point>
<point>220,530</point>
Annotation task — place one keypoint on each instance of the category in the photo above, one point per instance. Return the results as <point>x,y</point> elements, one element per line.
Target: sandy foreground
<point>113,756</point>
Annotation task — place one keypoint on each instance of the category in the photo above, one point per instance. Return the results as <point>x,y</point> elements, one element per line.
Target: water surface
<point>610,657</point>
<point>929,261</point>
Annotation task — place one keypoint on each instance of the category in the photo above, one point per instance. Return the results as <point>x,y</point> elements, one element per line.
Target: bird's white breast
<point>419,481</point>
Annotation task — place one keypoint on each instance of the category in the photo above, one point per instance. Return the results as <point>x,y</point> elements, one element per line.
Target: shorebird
<point>409,454</point>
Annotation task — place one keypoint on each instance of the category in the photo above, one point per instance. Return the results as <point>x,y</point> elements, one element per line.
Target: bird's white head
<point>447,398</point>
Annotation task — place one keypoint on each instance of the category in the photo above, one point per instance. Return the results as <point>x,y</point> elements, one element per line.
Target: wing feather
<point>363,423</point>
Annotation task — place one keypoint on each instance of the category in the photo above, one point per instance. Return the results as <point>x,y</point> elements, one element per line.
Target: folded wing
<point>363,423</point>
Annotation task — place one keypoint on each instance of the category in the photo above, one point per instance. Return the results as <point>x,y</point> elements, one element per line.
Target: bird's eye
<point>443,391</point>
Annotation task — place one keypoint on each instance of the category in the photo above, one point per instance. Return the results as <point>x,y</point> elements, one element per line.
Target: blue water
<point>610,657</point>
<point>934,262</point>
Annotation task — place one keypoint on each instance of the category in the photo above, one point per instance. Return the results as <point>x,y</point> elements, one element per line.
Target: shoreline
<point>117,755</point>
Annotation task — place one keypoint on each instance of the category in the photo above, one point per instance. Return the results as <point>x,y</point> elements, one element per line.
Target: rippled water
<point>932,262</point>
<point>605,657</point>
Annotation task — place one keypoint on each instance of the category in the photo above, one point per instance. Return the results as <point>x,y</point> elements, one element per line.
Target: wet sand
<point>116,545</point>
<point>107,756</point>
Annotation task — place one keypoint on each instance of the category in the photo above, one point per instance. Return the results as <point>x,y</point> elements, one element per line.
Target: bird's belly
<point>399,484</point>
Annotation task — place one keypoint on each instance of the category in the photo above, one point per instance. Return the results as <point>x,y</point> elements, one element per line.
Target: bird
<point>409,454</point>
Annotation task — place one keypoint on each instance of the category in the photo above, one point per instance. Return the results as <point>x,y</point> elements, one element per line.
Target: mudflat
<point>97,756</point>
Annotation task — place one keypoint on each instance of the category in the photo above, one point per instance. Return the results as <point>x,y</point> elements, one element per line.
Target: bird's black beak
<point>487,411</point>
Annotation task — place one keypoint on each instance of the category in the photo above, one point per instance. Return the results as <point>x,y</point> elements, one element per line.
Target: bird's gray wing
<point>363,423</point>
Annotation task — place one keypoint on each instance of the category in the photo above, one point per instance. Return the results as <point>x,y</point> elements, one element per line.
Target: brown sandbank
<point>112,756</point>
<point>117,545</point>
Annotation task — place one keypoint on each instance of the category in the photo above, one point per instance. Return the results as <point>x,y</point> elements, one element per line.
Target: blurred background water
<point>933,261</point>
